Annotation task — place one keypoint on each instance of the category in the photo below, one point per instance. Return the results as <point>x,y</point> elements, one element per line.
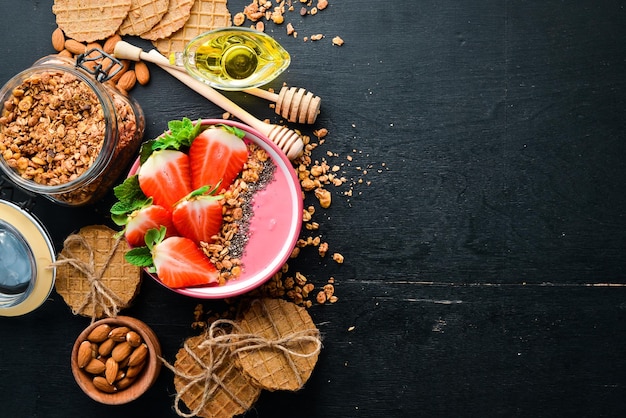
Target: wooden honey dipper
<point>287,140</point>
<point>292,103</point>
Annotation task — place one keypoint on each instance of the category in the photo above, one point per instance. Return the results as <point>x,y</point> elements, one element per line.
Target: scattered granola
<point>259,12</point>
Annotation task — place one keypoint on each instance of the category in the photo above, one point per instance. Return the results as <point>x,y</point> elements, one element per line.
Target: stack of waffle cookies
<point>168,24</point>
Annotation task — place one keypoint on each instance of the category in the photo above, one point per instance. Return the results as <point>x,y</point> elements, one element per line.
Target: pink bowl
<point>273,229</point>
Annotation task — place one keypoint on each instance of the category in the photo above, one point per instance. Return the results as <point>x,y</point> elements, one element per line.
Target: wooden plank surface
<point>484,268</point>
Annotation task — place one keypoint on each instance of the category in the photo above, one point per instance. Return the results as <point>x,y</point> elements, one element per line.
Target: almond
<point>106,347</point>
<point>138,356</point>
<point>125,382</point>
<point>58,40</point>
<point>93,45</point>
<point>65,53</point>
<point>101,384</point>
<point>133,371</point>
<point>111,369</point>
<point>142,73</point>
<point>99,333</point>
<point>133,339</point>
<point>127,81</point>
<point>121,351</point>
<point>95,366</point>
<point>120,73</point>
<point>109,44</point>
<point>74,46</point>
<point>84,355</point>
<point>119,334</point>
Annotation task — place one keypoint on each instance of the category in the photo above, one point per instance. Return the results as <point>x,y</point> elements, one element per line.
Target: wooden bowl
<point>143,381</point>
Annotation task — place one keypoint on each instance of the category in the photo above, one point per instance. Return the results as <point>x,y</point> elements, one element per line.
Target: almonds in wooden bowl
<point>116,360</point>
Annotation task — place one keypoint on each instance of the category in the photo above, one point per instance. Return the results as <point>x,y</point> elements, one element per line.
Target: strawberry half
<point>137,213</point>
<point>178,261</point>
<point>198,216</point>
<point>142,220</point>
<point>217,156</point>
<point>165,177</point>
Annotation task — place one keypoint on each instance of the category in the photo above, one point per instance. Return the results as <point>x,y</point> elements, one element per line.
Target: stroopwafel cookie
<point>174,18</point>
<point>90,20</point>
<point>209,383</point>
<point>92,275</point>
<point>205,15</point>
<point>142,16</point>
<point>287,359</point>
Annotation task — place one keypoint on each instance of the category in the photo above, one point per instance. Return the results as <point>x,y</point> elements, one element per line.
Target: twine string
<point>99,295</point>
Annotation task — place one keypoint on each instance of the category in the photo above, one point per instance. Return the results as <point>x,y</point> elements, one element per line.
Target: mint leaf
<point>233,130</point>
<point>181,134</point>
<point>129,190</point>
<point>139,256</point>
<point>155,236</point>
<point>146,150</point>
<point>130,198</point>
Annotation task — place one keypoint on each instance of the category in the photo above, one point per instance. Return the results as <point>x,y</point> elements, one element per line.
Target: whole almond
<point>120,73</point>
<point>58,40</point>
<point>121,351</point>
<point>127,81</point>
<point>74,46</point>
<point>101,383</point>
<point>138,356</point>
<point>142,73</point>
<point>112,367</point>
<point>99,333</point>
<point>93,45</point>
<point>84,355</point>
<point>133,339</point>
<point>65,53</point>
<point>119,334</point>
<point>124,382</point>
<point>106,347</point>
<point>133,371</point>
<point>109,44</point>
<point>95,366</point>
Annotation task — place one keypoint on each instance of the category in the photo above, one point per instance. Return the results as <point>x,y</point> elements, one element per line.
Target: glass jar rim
<point>12,298</point>
<point>40,243</point>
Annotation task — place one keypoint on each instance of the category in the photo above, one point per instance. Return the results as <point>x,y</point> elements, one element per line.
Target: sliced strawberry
<point>217,156</point>
<point>198,216</point>
<point>177,261</point>
<point>180,263</point>
<point>142,220</point>
<point>137,213</point>
<point>165,177</point>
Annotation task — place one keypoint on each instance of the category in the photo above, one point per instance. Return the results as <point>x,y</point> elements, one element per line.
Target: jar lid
<point>26,255</point>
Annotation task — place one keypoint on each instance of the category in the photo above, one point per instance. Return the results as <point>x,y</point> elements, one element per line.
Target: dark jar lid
<point>26,257</point>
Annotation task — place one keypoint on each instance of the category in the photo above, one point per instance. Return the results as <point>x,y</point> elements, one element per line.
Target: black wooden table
<point>484,271</point>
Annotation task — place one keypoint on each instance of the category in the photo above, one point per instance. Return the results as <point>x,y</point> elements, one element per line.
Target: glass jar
<point>26,257</point>
<point>65,132</point>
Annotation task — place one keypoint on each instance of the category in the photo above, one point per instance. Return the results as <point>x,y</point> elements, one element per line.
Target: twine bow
<point>99,295</point>
<point>207,378</point>
<point>222,345</point>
